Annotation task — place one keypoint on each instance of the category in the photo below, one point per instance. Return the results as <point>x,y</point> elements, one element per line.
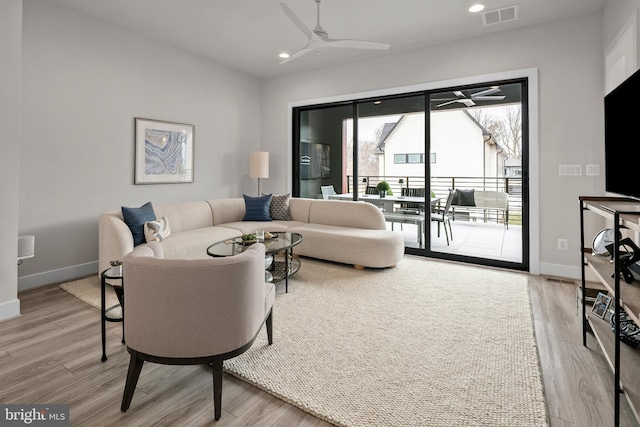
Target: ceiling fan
<point>483,95</point>
<point>318,37</point>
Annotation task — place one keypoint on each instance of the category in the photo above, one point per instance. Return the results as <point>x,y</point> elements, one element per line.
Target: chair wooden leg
<point>217,388</point>
<point>135,366</point>
<point>269,324</point>
<point>450,230</point>
<point>438,228</point>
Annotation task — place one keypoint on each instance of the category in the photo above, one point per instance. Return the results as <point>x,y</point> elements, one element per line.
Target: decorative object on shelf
<point>384,189</point>
<point>116,267</point>
<point>629,331</point>
<point>603,239</point>
<point>164,152</point>
<point>259,166</point>
<point>628,257</point>
<point>601,305</point>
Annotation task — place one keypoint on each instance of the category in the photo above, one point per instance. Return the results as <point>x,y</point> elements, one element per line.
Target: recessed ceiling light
<point>476,8</point>
<point>284,55</point>
<point>377,102</point>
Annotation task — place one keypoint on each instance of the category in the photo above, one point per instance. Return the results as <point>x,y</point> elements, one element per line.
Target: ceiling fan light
<point>476,8</point>
<point>283,55</point>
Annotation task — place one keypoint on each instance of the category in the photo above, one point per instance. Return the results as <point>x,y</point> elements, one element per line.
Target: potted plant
<point>384,189</point>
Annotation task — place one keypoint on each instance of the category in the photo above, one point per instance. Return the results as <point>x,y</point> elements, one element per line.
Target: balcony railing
<point>441,186</point>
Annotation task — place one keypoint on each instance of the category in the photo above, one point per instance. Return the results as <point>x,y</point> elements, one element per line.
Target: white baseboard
<point>57,276</point>
<point>9,309</point>
<point>567,271</point>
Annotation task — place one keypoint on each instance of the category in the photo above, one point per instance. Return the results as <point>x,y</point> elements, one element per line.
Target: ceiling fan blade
<point>296,21</point>
<point>488,98</point>
<point>447,103</point>
<point>458,93</point>
<point>444,99</point>
<point>297,54</point>
<point>485,92</point>
<point>467,102</point>
<point>358,44</point>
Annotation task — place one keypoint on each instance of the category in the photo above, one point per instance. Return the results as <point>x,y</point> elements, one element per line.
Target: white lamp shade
<point>26,247</point>
<point>259,164</point>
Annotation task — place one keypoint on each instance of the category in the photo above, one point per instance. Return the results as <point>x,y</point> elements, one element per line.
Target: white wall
<point>458,144</point>
<point>10,52</point>
<point>83,83</point>
<point>616,15</point>
<point>568,54</point>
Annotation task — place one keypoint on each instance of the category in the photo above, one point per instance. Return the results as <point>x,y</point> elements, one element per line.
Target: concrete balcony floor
<point>477,239</point>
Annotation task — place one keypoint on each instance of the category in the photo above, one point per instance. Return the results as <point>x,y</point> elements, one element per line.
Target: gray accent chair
<point>193,311</point>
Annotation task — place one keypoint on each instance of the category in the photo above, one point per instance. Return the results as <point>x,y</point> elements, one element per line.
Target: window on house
<point>433,157</point>
<point>413,158</point>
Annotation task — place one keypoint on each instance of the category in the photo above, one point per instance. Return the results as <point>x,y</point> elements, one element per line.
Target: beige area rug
<point>425,344</point>
<point>87,289</point>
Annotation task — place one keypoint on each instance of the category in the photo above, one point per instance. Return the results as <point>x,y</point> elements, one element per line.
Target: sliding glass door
<point>479,151</point>
<point>406,153</point>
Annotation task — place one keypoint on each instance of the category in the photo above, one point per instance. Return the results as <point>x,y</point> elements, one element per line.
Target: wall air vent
<point>498,16</point>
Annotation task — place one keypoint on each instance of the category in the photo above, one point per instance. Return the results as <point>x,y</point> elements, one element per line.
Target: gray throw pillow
<point>279,209</point>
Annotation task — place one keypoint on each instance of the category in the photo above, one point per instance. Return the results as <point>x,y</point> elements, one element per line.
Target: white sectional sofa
<point>346,232</point>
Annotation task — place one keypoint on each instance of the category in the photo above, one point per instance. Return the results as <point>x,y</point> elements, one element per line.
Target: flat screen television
<point>621,138</point>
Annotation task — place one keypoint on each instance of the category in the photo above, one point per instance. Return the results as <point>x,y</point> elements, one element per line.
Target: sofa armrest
<point>114,239</point>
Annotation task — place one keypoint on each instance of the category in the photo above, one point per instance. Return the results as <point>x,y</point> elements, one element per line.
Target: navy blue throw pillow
<point>257,208</point>
<point>135,219</point>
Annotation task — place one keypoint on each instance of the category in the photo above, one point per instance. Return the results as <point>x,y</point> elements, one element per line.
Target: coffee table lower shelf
<point>278,268</point>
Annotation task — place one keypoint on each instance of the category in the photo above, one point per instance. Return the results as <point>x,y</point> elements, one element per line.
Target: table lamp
<point>259,166</point>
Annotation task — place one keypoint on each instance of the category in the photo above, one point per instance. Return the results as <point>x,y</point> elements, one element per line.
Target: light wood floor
<point>51,355</point>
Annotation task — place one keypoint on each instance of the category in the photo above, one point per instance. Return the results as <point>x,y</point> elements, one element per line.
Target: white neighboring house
<point>460,147</point>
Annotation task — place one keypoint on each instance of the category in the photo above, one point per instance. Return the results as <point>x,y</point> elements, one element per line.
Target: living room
<point>74,84</point>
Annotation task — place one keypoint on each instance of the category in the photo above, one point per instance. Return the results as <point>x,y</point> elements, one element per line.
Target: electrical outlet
<point>563,244</point>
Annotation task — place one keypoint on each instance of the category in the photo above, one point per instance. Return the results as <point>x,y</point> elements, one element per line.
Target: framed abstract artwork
<point>164,152</point>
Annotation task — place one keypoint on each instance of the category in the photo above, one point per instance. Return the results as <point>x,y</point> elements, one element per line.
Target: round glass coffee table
<point>280,247</point>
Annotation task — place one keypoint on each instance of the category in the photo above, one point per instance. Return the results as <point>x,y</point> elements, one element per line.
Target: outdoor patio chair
<point>371,190</point>
<point>443,216</point>
<point>327,190</point>
<point>411,208</point>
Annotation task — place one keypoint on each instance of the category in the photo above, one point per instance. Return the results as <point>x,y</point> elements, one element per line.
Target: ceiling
<point>248,35</point>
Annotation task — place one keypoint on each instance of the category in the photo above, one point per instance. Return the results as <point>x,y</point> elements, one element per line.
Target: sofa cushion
<point>349,214</point>
<point>193,244</point>
<point>370,248</point>
<point>186,216</point>
<point>250,227</point>
<point>463,197</point>
<point>279,208</point>
<point>157,230</point>
<point>135,219</point>
<point>299,209</point>
<point>227,210</point>
<point>257,208</point>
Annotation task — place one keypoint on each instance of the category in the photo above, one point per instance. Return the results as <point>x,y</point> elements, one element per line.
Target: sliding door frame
<point>531,176</point>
